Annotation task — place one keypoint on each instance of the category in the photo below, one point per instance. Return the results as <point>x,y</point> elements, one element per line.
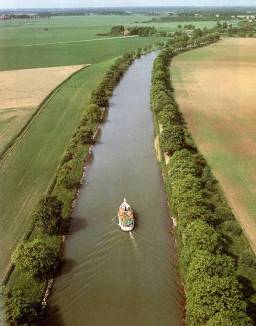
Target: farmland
<point>48,156</point>
<point>21,92</point>
<point>25,44</point>
<point>61,33</point>
<point>28,87</point>
<point>30,165</point>
<point>215,89</point>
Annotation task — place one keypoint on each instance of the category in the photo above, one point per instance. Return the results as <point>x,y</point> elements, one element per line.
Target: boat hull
<point>125,217</point>
<point>125,227</point>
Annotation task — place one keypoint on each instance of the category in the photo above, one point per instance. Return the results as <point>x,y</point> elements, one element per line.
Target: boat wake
<point>131,235</point>
<point>134,243</point>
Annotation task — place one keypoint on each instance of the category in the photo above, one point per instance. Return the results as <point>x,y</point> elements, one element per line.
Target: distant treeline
<point>35,261</point>
<point>135,30</point>
<point>245,28</point>
<point>216,262</point>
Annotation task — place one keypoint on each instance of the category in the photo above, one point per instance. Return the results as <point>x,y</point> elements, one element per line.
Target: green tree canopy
<point>172,139</point>
<point>205,264</point>
<point>24,301</point>
<point>213,295</point>
<point>38,257</point>
<point>48,215</point>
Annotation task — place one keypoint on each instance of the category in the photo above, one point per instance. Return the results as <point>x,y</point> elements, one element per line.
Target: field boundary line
<point>10,267</point>
<point>78,41</point>
<point>16,139</point>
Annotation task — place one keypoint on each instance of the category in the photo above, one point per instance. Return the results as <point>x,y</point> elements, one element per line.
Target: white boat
<point>125,217</point>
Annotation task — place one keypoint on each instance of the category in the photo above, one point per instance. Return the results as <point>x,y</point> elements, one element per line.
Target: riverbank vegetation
<point>212,262</point>
<point>35,261</point>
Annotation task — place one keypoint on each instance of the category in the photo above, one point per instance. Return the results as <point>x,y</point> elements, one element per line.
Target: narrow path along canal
<point>110,277</point>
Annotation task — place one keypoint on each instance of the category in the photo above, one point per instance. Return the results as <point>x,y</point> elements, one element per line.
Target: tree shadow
<point>248,293</point>
<point>51,315</point>
<point>65,266</point>
<point>77,224</point>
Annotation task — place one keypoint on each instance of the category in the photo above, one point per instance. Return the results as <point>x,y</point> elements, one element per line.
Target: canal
<point>110,277</point>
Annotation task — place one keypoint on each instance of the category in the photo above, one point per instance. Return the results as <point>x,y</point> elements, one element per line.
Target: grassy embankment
<point>28,281</point>
<point>216,262</point>
<point>30,167</point>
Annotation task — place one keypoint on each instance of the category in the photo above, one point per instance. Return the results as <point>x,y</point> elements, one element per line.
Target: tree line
<point>216,291</point>
<point>245,28</point>
<point>37,259</point>
<point>135,30</point>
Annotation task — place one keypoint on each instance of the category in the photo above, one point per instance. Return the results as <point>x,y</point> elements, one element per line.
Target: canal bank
<point>110,277</point>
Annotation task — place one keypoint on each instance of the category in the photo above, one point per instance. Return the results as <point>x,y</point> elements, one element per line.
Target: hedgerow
<point>37,258</point>
<point>209,238</point>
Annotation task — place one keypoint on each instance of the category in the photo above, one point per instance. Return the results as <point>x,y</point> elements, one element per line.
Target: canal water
<point>110,277</point>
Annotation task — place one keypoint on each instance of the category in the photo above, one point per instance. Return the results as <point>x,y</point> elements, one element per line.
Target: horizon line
<point>125,7</point>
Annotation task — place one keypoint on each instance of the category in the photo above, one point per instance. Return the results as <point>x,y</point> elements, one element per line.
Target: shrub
<point>38,257</point>
<point>181,164</point>
<point>188,188</point>
<point>229,318</point>
<point>205,264</point>
<point>231,227</point>
<point>188,213</point>
<point>202,236</point>
<point>65,177</point>
<point>91,115</point>
<point>172,139</point>
<point>48,215</point>
<point>85,135</point>
<point>23,301</point>
<point>213,295</point>
<point>169,116</point>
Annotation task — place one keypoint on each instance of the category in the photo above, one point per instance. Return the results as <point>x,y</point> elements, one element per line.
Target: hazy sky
<point>117,3</point>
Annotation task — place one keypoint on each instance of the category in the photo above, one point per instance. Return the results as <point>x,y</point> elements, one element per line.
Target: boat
<point>125,217</point>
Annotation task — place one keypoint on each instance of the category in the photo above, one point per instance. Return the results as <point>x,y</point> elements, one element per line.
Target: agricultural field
<point>215,89</point>
<point>30,165</point>
<point>28,169</point>
<point>172,26</point>
<point>21,92</point>
<point>61,41</point>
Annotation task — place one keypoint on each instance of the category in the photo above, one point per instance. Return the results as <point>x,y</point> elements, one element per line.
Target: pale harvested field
<point>215,89</point>
<point>21,91</point>
<point>28,87</point>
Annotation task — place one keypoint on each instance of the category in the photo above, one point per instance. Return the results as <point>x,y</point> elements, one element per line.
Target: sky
<point>118,3</point>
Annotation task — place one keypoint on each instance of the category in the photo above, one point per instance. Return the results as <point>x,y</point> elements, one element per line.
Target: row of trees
<point>37,259</point>
<point>245,28</point>
<point>135,30</point>
<point>70,172</point>
<point>214,295</point>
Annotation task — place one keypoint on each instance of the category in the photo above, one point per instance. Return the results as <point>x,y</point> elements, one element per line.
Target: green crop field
<point>30,166</point>
<point>68,41</point>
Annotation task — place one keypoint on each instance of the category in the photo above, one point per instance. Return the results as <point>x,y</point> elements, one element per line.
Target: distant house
<point>4,17</point>
<point>126,32</point>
